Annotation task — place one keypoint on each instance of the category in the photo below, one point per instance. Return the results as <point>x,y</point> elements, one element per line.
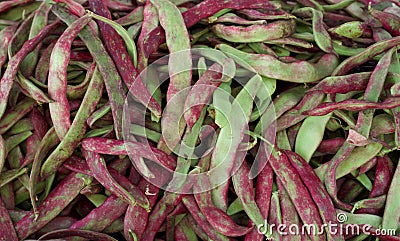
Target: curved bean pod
<point>52,205</point>
<point>6,226</point>
<point>261,48</point>
<point>78,91</point>
<point>330,182</point>
<point>223,223</point>
<point>390,22</point>
<point>6,35</point>
<point>186,152</point>
<point>6,81</point>
<point>179,68</point>
<point>125,66</point>
<point>321,36</point>
<point>368,166</point>
<point>203,10</point>
<point>383,178</point>
<point>330,146</point>
<point>146,40</point>
<point>98,167</point>
<point>371,203</point>
<point>57,84</point>
<point>135,16</point>
<point>120,6</point>
<point>6,5</point>
<point>267,14</point>
<point>21,35</point>
<point>184,231</point>
<point>294,116</point>
<point>233,18</point>
<point>288,212</point>
<point>74,7</point>
<point>353,105</point>
<point>78,164</point>
<point>282,103</point>
<point>21,126</point>
<point>210,7</point>
<point>264,187</point>
<point>298,72</point>
<point>343,84</point>
<point>3,153</point>
<point>243,186</point>
<point>105,64</point>
<point>129,43</point>
<point>310,135</point>
<point>39,21</point>
<point>56,224</point>
<point>31,90</point>
<point>380,34</point>
<point>101,217</point>
<point>159,214</point>
<point>291,180</point>
<point>255,33</point>
<point>68,233</point>
<point>352,161</point>
<point>49,141</point>
<point>177,39</point>
<point>226,153</point>
<point>136,218</point>
<point>197,215</point>
<point>391,213</point>
<point>372,92</point>
<point>201,92</point>
<point>291,41</point>
<point>316,189</point>
<point>337,6</point>
<point>275,217</point>
<point>117,147</point>
<point>76,131</point>
<point>42,67</point>
<point>14,115</point>
<point>353,29</point>
<point>365,55</point>
<point>141,198</point>
<point>10,175</point>
<point>32,144</point>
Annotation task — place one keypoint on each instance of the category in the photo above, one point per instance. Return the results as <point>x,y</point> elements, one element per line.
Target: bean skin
<point>255,33</point>
<point>6,81</point>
